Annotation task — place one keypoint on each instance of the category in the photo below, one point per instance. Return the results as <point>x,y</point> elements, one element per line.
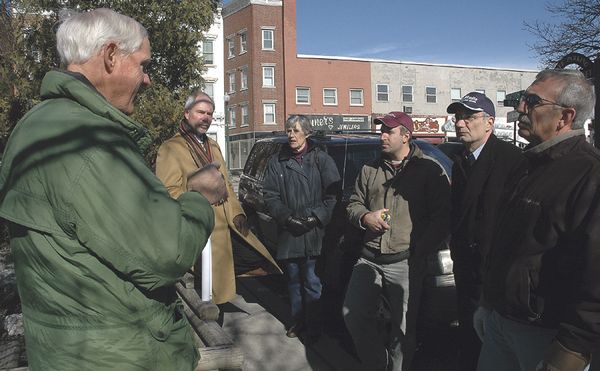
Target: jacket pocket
<point>522,283</point>
<point>161,324</point>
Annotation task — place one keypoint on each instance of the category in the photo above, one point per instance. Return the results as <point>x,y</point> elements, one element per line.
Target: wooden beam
<point>203,309</point>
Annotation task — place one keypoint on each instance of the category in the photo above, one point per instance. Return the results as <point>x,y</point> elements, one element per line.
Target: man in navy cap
<point>402,202</point>
<point>480,174</point>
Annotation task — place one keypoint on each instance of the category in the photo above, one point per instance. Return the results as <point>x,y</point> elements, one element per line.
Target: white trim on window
<point>269,117</point>
<point>245,114</point>
<point>500,97</point>
<point>268,38</point>
<point>243,42</point>
<point>231,82</point>
<point>407,93</point>
<point>455,94</point>
<point>230,47</point>
<point>243,78</point>
<point>268,76</point>
<point>357,97</point>
<point>381,95</point>
<point>232,123</point>
<point>430,94</point>
<point>330,97</point>
<point>303,95</point>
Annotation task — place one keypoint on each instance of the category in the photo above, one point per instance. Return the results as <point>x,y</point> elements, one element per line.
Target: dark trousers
<point>468,291</point>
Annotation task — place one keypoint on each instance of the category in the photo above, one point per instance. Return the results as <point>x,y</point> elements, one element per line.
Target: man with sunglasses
<point>479,177</point>
<point>541,276</point>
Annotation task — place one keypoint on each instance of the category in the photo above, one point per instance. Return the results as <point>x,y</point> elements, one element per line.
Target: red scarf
<point>200,150</point>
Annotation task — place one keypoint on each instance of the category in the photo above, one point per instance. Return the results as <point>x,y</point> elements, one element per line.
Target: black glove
<point>310,222</point>
<point>296,226</point>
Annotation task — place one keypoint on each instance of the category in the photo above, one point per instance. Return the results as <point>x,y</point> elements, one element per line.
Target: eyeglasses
<point>533,100</point>
<point>468,118</point>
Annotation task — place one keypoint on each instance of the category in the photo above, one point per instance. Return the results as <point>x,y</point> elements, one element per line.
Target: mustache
<point>523,119</point>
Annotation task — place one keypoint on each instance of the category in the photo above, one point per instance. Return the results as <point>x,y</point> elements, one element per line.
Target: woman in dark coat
<point>300,192</point>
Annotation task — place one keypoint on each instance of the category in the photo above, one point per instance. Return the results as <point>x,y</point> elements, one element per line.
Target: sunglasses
<point>533,100</point>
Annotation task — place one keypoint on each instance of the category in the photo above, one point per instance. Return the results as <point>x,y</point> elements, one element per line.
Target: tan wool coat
<point>174,163</point>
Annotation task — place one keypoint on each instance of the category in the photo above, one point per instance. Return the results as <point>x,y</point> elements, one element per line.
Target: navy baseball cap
<point>475,102</point>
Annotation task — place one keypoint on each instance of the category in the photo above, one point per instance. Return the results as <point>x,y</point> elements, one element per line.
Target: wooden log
<point>210,332</point>
<point>220,357</point>
<point>203,309</point>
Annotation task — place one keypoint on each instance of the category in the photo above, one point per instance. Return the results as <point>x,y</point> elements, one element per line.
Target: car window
<point>256,164</point>
<point>354,156</point>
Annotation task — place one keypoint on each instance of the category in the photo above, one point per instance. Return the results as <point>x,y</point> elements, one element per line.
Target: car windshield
<point>357,156</point>
<point>352,157</point>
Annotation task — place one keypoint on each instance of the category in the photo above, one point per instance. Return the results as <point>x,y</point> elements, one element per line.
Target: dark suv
<point>342,244</point>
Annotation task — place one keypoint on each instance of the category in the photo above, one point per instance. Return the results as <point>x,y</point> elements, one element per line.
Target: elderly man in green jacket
<point>98,242</point>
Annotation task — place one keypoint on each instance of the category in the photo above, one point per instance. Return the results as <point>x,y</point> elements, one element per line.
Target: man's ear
<point>567,117</point>
<point>489,123</point>
<point>109,56</point>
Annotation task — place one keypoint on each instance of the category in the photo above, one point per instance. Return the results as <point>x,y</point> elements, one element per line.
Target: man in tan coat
<point>189,149</point>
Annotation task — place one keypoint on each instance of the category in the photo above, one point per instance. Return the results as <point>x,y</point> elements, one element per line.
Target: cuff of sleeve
<point>573,344</point>
<point>360,225</point>
<point>195,206</point>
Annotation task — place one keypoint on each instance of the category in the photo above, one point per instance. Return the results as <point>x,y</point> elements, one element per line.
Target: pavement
<point>260,332</point>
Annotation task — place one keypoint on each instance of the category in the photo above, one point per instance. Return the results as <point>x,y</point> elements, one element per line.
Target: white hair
<point>80,36</point>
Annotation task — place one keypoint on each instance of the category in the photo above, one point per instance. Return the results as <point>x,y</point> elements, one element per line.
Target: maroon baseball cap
<point>395,119</point>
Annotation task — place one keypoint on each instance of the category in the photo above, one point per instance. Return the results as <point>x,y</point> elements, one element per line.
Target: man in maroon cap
<point>402,202</point>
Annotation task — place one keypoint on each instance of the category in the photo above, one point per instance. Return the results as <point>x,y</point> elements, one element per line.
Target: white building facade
<point>212,51</point>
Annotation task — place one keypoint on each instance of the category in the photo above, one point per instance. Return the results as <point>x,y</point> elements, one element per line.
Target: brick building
<point>267,80</point>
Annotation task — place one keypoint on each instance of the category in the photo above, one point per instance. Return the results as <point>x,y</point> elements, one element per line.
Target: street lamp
<point>227,154</point>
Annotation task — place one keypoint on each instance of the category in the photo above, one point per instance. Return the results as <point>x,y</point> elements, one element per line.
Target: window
<point>407,93</point>
<point>500,97</point>
<point>383,91</point>
<point>269,113</point>
<point>356,97</point>
<point>243,43</point>
<point>231,48</point>
<point>269,77</point>
<point>267,39</point>
<point>207,52</point>
<point>231,82</point>
<point>455,94</point>
<point>245,117</point>
<point>407,110</point>
<point>243,78</point>
<point>329,96</point>
<point>302,95</point>
<point>232,118</point>
<point>209,88</point>
<point>482,91</point>
<point>431,94</point>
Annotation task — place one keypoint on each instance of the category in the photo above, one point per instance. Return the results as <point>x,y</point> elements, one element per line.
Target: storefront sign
<point>339,122</point>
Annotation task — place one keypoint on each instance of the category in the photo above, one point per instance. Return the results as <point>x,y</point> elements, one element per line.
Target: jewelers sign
<point>340,122</point>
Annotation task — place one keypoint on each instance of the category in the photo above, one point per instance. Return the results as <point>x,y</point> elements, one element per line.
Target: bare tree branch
<point>577,29</point>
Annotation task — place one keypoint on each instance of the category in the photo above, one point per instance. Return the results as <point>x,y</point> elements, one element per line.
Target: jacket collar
<point>414,152</point>
<point>75,86</point>
<point>555,147</point>
<point>286,152</point>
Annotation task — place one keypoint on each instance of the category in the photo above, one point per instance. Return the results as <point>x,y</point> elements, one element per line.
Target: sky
<point>465,32</point>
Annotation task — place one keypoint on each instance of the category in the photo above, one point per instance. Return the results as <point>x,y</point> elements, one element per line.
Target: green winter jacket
<point>98,243</point>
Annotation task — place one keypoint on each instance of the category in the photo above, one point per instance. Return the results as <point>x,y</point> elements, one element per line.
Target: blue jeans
<point>304,287</point>
<point>368,282</point>
<point>512,345</point>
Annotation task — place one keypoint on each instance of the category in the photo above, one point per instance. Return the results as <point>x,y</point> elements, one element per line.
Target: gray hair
<point>300,119</point>
<point>80,36</point>
<point>193,98</point>
<point>576,92</point>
